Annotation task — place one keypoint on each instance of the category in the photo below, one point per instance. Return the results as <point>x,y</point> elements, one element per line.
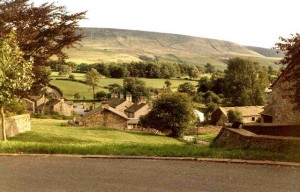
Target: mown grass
<point>54,137</point>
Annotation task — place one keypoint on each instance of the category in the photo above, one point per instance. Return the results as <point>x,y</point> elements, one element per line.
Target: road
<point>62,174</point>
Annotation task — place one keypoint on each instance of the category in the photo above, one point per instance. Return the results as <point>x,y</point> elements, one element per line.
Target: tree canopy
<point>15,74</point>
<point>246,82</point>
<point>291,47</point>
<point>41,31</point>
<point>171,112</point>
<point>92,78</point>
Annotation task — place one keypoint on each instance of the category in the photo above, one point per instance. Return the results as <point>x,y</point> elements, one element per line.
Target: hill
<point>266,52</point>
<point>117,45</point>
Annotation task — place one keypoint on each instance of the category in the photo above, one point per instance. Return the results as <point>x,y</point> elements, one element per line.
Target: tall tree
<point>41,31</point>
<point>92,78</point>
<point>291,47</point>
<point>209,68</point>
<point>245,82</point>
<point>135,87</point>
<point>171,111</point>
<point>15,74</point>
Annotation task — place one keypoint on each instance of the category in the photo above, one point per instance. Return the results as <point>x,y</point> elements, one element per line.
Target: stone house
<point>282,109</point>
<point>34,103</point>
<point>249,114</point>
<point>119,102</point>
<point>59,106</point>
<point>138,109</point>
<point>105,116</point>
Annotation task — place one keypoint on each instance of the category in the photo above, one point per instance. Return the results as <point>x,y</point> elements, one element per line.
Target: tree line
<point>134,69</point>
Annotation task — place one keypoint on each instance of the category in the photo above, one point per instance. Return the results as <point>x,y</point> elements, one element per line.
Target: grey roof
<point>98,109</point>
<point>114,102</point>
<point>245,110</point>
<point>135,107</point>
<point>35,97</point>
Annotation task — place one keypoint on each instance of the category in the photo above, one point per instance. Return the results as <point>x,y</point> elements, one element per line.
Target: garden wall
<point>243,139</point>
<point>17,124</point>
<point>273,129</point>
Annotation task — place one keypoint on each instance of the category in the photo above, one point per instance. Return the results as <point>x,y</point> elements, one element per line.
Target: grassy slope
<point>114,45</point>
<point>49,136</point>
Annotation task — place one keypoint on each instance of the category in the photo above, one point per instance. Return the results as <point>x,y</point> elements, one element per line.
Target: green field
<point>49,136</point>
<point>69,88</point>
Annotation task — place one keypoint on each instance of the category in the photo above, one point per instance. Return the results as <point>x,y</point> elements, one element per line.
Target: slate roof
<point>35,98</point>
<point>98,109</point>
<point>114,102</point>
<point>135,107</point>
<point>245,110</point>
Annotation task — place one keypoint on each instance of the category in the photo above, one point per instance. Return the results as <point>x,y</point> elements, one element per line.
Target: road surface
<point>62,174</point>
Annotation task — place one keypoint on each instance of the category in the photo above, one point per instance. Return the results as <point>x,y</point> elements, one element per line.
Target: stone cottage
<point>249,114</point>
<point>59,106</point>
<point>138,109</point>
<point>105,116</point>
<point>282,108</point>
<point>119,102</point>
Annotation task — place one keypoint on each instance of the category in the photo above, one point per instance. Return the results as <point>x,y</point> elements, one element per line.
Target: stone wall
<point>283,104</point>
<point>242,139</point>
<point>273,129</point>
<point>17,124</point>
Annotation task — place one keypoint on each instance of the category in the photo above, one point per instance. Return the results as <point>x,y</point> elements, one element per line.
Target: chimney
<point>128,97</point>
<point>121,96</point>
<point>142,99</point>
<point>104,104</point>
<point>113,95</point>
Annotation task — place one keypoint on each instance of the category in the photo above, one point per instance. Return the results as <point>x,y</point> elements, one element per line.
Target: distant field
<point>69,88</point>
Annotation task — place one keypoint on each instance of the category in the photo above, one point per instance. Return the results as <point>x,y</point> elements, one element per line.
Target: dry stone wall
<point>17,124</point>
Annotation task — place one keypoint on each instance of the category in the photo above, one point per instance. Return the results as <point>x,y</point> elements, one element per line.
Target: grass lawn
<point>54,137</point>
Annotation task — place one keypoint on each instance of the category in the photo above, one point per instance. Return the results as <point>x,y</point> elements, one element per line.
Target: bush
<point>172,112</point>
<point>234,116</point>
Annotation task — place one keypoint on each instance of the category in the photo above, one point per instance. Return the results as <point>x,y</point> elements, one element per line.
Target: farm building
<point>249,114</point>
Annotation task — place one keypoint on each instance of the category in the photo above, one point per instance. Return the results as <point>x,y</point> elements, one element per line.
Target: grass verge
<point>54,137</point>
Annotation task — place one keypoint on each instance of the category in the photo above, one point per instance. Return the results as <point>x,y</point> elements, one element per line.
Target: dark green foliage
<point>172,112</point>
<point>186,87</point>
<point>42,32</point>
<point>245,82</point>
<point>118,71</point>
<point>209,68</point>
<point>135,87</point>
<point>101,96</point>
<point>234,116</point>
<point>83,68</point>
<point>204,84</point>
<point>168,83</point>
<point>77,96</point>
<point>71,77</point>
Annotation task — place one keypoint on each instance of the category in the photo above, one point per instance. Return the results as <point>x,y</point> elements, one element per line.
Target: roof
<point>98,109</point>
<point>50,103</point>
<point>114,102</point>
<point>35,97</point>
<point>268,111</point>
<point>135,107</point>
<point>245,110</point>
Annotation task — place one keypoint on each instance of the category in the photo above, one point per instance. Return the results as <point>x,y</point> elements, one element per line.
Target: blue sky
<point>246,22</point>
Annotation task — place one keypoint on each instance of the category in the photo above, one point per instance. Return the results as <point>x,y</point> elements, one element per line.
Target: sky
<point>246,22</point>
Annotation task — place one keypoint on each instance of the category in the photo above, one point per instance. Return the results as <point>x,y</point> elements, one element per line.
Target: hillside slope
<point>116,45</point>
